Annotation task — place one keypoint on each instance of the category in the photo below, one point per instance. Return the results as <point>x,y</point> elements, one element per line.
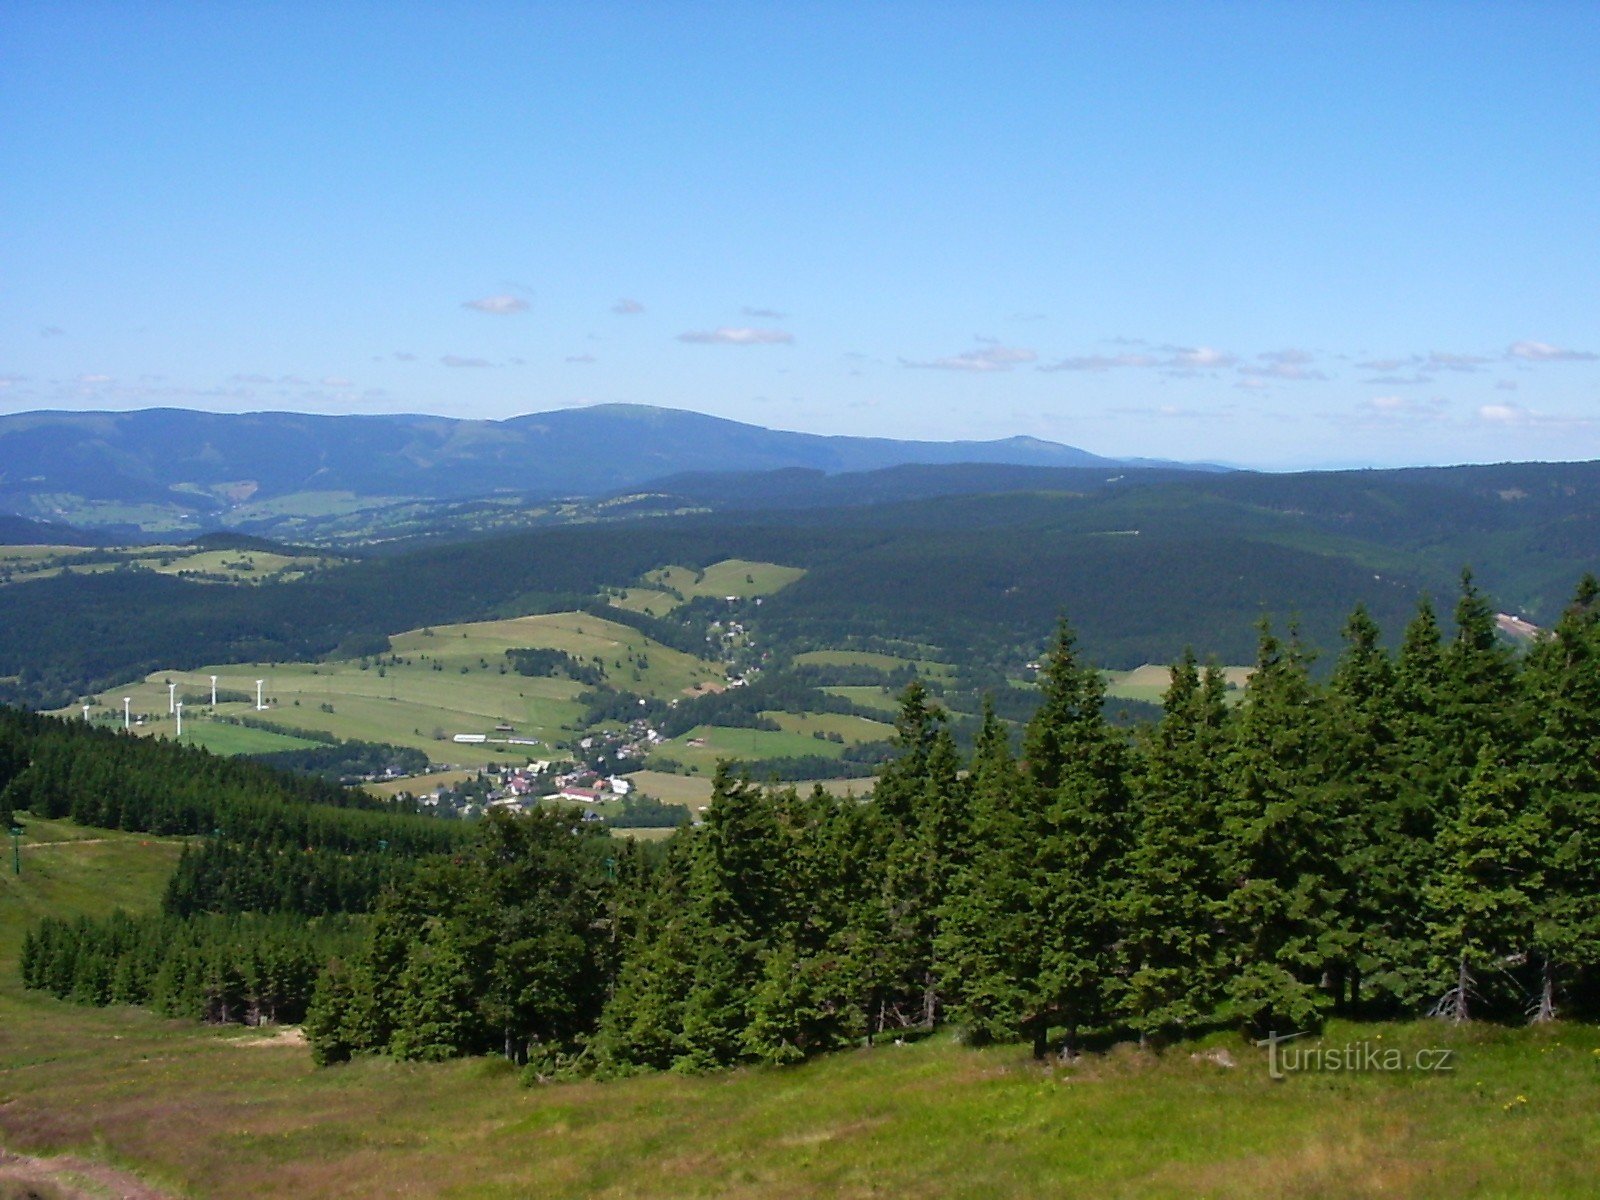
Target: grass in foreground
<point>227,1113</point>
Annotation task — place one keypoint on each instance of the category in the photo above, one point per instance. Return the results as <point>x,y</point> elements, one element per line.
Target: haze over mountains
<point>182,468</point>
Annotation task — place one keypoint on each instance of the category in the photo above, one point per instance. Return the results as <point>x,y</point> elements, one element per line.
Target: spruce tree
<point>1280,851</point>
<point>1170,908</point>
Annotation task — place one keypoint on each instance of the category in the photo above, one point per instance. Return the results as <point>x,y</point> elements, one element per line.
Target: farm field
<point>658,591</point>
<point>1149,682</point>
<point>451,679</point>
<point>718,742</point>
<point>207,1112</point>
<point>695,790</point>
<point>847,726</point>
<point>926,668</point>
<point>880,698</point>
<point>22,564</point>
<point>418,784</point>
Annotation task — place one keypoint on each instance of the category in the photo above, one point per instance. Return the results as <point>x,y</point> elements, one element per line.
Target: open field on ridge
<point>451,679</point>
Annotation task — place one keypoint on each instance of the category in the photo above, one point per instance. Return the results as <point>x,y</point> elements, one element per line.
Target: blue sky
<point>1277,235</point>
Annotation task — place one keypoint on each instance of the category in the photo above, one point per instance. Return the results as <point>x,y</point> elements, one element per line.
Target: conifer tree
<point>1170,908</point>
<point>1385,844</point>
<point>1562,684</point>
<point>1279,845</point>
<point>1483,903</point>
<point>991,936</point>
<point>1077,762</point>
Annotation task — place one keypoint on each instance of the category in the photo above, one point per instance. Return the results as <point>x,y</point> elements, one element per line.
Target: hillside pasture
<point>1149,682</point>
<point>658,592</point>
<point>25,564</point>
<point>221,1112</point>
<point>717,742</point>
<point>451,679</point>
<point>852,728</point>
<point>695,790</point>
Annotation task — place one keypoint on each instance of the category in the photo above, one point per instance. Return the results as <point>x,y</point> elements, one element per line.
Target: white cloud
<point>737,337</point>
<point>627,308</point>
<point>455,360</point>
<point>764,314</point>
<point>95,379</point>
<point>1198,358</point>
<point>1503,414</point>
<point>499,306</point>
<point>1292,365</point>
<point>1101,362</point>
<point>988,359</point>
<point>1439,360</point>
<point>338,381</point>
<point>1545,352</point>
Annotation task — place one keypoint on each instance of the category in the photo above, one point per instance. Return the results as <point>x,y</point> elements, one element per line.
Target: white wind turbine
<point>260,705</point>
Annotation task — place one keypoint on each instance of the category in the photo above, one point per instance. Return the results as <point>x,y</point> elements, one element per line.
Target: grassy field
<point>878,698</point>
<point>851,728</point>
<point>718,742</point>
<point>205,1112</point>
<point>1149,682</point>
<point>419,784</point>
<point>658,592</point>
<point>695,790</point>
<point>20,564</point>
<point>449,681</point>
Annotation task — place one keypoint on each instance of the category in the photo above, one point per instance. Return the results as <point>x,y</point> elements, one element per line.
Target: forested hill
<point>191,469</point>
<point>1144,570</point>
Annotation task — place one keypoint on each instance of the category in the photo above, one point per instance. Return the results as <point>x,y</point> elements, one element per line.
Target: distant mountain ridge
<point>97,468</point>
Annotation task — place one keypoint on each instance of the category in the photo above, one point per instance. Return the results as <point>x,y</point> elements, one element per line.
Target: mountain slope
<point>175,469</point>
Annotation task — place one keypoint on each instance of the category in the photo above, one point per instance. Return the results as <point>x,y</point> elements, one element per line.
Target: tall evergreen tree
<point>1483,903</point>
<point>1169,951</point>
<point>1078,764</point>
<point>1279,845</point>
<point>1562,684</point>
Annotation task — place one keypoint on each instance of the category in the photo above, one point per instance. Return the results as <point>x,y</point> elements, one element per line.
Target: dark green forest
<point>1146,564</point>
<point>1414,830</point>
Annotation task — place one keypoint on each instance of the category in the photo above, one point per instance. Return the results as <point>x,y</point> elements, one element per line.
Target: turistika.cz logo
<point>1363,1055</point>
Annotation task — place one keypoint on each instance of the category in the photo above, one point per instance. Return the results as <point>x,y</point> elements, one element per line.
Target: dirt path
<point>68,1178</point>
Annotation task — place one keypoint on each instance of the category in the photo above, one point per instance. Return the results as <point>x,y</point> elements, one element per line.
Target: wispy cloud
<point>1287,365</point>
<point>1439,360</point>
<point>52,331</point>
<point>455,360</point>
<point>1507,413</point>
<point>499,306</point>
<point>737,337</point>
<point>987,359</point>
<point>337,381</point>
<point>1102,362</point>
<point>627,308</point>
<point>763,314</point>
<point>580,358</point>
<point>1545,352</point>
<point>1197,358</point>
<point>404,356</point>
<point>1398,408</point>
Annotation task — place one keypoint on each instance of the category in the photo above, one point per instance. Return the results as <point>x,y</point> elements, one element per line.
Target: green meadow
<point>207,1112</point>
<point>1149,682</point>
<point>659,591</point>
<point>451,679</point>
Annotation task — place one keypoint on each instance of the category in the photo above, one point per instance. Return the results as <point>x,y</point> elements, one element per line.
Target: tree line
<point>1418,834</point>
